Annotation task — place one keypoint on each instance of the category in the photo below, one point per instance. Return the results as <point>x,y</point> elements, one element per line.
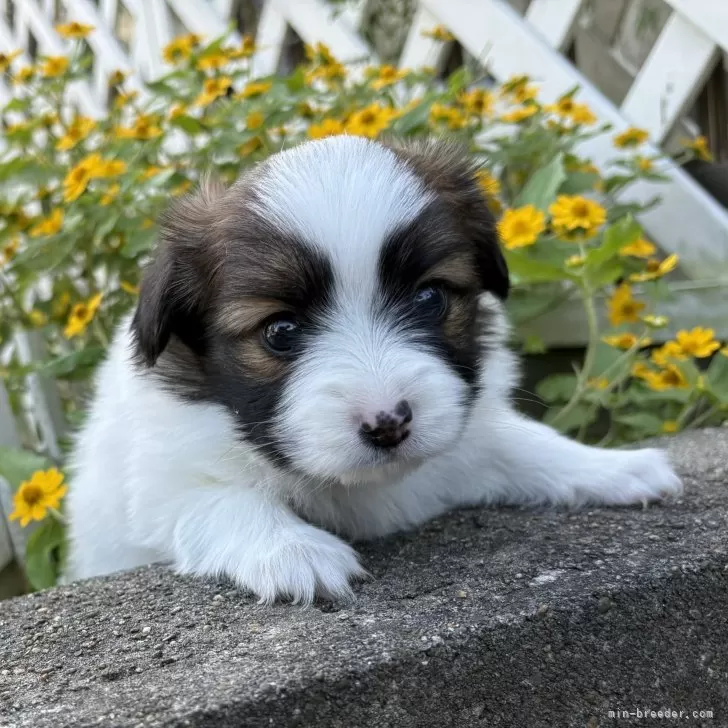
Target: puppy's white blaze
<point>353,371</point>
<point>344,195</point>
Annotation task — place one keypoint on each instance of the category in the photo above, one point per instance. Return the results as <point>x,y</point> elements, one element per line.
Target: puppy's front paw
<point>302,562</point>
<point>638,476</point>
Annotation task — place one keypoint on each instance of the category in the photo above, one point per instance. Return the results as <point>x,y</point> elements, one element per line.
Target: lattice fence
<point>130,34</point>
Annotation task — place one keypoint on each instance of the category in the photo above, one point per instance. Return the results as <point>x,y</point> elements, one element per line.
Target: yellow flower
<point>699,146</point>
<point>54,66</point>
<point>177,110</point>
<point>574,261</point>
<point>77,131</point>
<point>151,171</point>
<point>110,195</point>
<point>582,114</point>
<point>669,426</point>
<point>631,137</point>
<point>644,164</point>
<point>213,61</point>
<point>77,179</point>
<point>521,227</point>
<point>246,49</point>
<point>370,121</point>
<point>671,377</point>
<point>253,89</point>
<point>181,188</point>
<point>598,383</point>
<point>129,288</point>
<point>37,318</point>
<point>513,84</point>
<point>699,342</point>
<point>622,308</point>
<point>564,107</point>
<point>9,250</point>
<point>74,30</point>
<point>656,269</point>
<point>326,127</point>
<point>724,351</point>
<point>49,225</point>
<point>576,217</point>
<point>453,117</point>
<point>180,48</point>
<point>656,322</point>
<point>384,76</point>
<point>477,102</point>
<point>524,93</point>
<point>124,98</point>
<point>518,115</point>
<point>667,353</point>
<point>117,77</point>
<point>81,316</point>
<point>252,145</point>
<point>640,248</point>
<point>145,127</point>
<point>255,120</point>
<point>641,370</point>
<point>488,183</point>
<point>625,341</point>
<point>439,33</point>
<point>212,89</point>
<point>147,223</point>
<point>23,75</point>
<point>34,497</point>
<point>111,168</point>
<point>7,58</point>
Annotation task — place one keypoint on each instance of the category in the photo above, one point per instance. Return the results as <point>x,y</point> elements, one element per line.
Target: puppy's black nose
<point>388,429</point>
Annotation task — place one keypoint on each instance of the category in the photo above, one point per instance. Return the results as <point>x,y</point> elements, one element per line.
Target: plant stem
<point>589,356</point>
<point>58,516</point>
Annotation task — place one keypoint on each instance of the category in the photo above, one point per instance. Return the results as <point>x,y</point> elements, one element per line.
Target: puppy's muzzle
<point>388,429</point>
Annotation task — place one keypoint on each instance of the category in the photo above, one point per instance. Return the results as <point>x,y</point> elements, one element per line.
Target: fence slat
<point>689,222</point>
<point>671,78</point>
<point>269,39</point>
<point>418,49</point>
<point>711,16</point>
<point>554,20</point>
<point>314,21</point>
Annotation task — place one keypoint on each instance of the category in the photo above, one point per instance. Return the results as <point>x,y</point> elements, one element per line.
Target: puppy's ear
<point>446,168</point>
<point>176,285</point>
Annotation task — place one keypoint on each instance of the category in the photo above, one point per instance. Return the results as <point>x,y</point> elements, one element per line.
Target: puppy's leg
<point>250,537</point>
<point>519,460</point>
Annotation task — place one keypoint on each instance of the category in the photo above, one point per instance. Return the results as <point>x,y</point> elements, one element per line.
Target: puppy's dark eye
<point>431,302</point>
<point>281,335</point>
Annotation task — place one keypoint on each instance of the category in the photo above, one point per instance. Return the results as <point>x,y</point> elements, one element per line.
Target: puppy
<point>319,352</point>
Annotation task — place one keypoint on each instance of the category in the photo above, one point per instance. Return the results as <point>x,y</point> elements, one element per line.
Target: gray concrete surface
<point>483,618</point>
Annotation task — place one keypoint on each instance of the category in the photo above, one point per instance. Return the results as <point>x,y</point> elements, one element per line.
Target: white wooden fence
<point>689,222</point>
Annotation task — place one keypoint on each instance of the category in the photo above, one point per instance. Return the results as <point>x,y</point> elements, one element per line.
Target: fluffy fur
<point>207,448</point>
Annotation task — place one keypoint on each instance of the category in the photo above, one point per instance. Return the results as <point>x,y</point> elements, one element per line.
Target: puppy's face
<point>328,301</point>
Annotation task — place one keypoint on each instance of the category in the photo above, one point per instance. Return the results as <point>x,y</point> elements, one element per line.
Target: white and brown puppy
<point>319,353</point>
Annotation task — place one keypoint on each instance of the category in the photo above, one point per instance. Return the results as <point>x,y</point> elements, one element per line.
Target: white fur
<point>158,478</point>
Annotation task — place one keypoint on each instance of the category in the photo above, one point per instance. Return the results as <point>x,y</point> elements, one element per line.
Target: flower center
<point>32,494</point>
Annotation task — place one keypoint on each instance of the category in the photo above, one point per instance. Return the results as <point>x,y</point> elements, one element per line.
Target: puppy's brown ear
<point>448,169</point>
<point>177,283</point>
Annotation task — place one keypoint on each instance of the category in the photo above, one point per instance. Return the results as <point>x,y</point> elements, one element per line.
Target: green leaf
<point>414,119</point>
<point>582,414</point>
<point>297,80</point>
<point>42,562</point>
<point>717,377</point>
<point>524,269</point>
<point>17,465</point>
<point>556,387</point>
<point>140,242</point>
<point>541,189</point>
<point>188,124</point>
<point>64,366</point>
<point>644,422</point>
<point>624,232</point>
<point>577,183</point>
<point>458,80</point>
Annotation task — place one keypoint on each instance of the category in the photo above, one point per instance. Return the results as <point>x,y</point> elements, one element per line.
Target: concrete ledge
<point>484,618</point>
